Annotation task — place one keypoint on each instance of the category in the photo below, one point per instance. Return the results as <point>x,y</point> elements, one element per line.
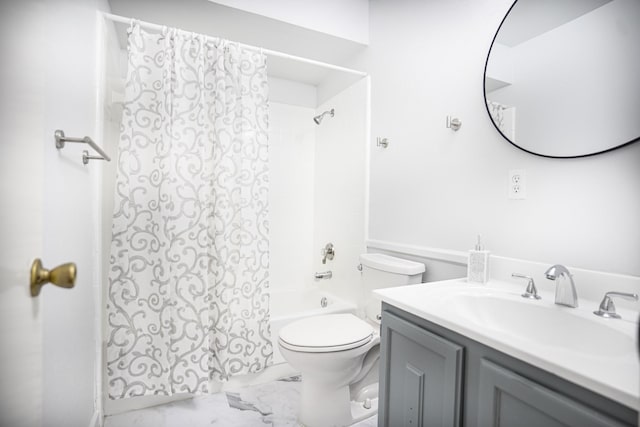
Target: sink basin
<point>542,324</point>
<point>596,353</point>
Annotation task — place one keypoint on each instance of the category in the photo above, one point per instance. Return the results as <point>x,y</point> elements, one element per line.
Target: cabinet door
<point>421,377</point>
<point>508,399</point>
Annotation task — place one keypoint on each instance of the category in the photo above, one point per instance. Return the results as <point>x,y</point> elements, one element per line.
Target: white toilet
<point>337,354</point>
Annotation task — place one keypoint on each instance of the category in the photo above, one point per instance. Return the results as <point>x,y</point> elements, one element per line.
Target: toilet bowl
<point>337,354</point>
<point>329,351</point>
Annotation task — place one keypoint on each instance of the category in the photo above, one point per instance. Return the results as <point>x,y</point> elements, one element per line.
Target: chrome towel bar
<point>61,139</point>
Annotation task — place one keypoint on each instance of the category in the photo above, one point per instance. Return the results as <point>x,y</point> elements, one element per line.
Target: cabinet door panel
<point>508,399</point>
<point>421,376</point>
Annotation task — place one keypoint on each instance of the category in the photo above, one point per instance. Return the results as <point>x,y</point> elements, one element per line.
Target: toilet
<point>337,354</point>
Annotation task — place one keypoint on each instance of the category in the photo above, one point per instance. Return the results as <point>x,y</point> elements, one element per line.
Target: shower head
<point>319,118</point>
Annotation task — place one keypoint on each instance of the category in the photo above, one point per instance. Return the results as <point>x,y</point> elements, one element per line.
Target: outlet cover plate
<point>517,184</point>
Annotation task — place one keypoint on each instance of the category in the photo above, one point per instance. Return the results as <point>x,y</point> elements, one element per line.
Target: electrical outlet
<point>517,184</point>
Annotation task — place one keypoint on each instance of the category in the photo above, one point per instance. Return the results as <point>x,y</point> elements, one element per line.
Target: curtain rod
<point>156,27</point>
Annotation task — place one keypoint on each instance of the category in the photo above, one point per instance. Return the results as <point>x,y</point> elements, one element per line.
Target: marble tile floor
<point>271,404</point>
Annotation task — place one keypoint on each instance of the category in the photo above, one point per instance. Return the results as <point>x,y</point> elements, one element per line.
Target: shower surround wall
<point>292,143</point>
<point>339,192</point>
<point>318,192</point>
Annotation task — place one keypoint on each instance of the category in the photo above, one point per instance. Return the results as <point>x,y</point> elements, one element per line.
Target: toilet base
<point>334,409</point>
<point>359,412</point>
<point>323,406</point>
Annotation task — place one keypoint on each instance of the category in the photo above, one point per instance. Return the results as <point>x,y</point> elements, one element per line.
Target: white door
<point>47,81</point>
<point>21,213</point>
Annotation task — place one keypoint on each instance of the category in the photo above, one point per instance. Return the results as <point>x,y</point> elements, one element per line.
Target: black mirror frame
<point>484,94</point>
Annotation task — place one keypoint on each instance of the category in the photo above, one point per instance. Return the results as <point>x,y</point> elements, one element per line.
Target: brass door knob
<point>63,275</point>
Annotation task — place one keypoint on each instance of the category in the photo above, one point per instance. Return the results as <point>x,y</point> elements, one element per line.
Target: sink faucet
<point>565,290</point>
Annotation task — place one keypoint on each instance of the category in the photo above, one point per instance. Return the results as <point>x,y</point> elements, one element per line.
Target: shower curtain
<point>504,117</point>
<point>188,294</point>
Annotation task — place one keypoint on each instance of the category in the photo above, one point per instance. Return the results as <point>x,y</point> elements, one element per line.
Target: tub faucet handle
<point>328,253</point>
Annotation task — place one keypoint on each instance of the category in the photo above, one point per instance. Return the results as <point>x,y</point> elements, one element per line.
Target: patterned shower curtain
<point>188,294</point>
<point>504,117</point>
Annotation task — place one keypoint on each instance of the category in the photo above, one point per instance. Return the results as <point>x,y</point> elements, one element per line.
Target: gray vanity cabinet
<point>508,399</point>
<point>432,376</point>
<point>422,376</point>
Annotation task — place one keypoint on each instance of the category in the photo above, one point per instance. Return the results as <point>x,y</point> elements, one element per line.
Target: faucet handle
<point>607,309</point>
<point>328,252</point>
<point>531,292</point>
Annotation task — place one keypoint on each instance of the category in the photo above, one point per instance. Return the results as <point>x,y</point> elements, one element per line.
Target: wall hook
<point>454,123</point>
<point>382,142</point>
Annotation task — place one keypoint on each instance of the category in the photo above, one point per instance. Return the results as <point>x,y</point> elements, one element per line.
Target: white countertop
<point>574,348</point>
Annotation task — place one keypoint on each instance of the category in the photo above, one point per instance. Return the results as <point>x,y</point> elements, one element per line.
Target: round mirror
<point>562,77</point>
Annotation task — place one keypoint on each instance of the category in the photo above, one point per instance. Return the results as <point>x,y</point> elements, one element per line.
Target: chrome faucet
<point>323,275</point>
<point>565,292</point>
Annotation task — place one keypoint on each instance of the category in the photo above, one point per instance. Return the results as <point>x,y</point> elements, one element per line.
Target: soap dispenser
<point>478,264</point>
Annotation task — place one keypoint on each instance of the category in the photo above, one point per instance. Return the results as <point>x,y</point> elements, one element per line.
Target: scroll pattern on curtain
<point>188,294</point>
<point>504,117</point>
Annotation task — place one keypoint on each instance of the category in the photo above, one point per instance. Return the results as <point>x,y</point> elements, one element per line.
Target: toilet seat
<point>326,333</point>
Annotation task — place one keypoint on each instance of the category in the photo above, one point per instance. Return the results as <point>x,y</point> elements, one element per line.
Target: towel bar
<point>61,139</point>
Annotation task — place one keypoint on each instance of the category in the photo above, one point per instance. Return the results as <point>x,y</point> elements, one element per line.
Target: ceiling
<point>205,17</point>
<point>530,18</point>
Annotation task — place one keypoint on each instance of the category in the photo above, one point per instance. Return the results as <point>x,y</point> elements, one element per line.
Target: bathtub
<point>287,306</point>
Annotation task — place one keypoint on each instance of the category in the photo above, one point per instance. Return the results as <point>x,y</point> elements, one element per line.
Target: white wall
<point>339,18</point>
<point>339,190</point>
<point>288,92</point>
<point>292,143</point>
<point>437,188</point>
<point>500,68</point>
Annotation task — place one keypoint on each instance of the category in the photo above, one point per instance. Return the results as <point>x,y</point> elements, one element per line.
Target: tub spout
<point>323,275</point>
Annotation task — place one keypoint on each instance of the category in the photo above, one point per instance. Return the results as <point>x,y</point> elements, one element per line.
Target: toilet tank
<point>384,271</point>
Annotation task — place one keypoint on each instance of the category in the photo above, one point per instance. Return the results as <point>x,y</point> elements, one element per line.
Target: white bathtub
<point>287,306</point>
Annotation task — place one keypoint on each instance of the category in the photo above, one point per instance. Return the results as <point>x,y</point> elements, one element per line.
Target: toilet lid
<point>329,332</point>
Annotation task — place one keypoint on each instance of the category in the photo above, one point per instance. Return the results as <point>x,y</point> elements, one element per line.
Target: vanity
<point>460,354</point>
